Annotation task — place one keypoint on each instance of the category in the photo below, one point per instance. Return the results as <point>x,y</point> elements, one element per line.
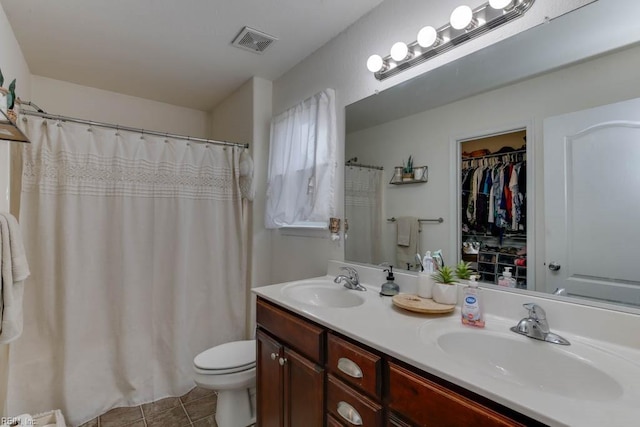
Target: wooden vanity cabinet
<point>310,376</point>
<point>289,385</point>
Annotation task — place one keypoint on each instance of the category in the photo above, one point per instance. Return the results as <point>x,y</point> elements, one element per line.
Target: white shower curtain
<point>363,207</point>
<point>135,246</point>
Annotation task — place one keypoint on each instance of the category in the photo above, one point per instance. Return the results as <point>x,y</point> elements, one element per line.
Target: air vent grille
<point>253,40</point>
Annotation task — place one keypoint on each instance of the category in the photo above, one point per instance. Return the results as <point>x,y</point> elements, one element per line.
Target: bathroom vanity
<point>297,357</point>
<point>327,355</point>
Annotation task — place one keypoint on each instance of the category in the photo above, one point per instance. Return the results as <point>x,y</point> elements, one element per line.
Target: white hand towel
<point>247,183</point>
<point>13,270</point>
<point>406,254</point>
<point>404,230</point>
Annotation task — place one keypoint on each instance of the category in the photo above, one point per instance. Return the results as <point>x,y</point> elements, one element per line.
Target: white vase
<point>445,294</point>
<point>425,285</point>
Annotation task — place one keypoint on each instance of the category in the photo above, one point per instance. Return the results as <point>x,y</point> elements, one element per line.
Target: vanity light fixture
<point>465,24</point>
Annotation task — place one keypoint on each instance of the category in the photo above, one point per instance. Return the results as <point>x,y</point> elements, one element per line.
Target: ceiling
<point>172,51</point>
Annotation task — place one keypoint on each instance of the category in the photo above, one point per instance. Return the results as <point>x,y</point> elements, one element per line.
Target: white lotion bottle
<point>472,311</point>
<point>425,281</point>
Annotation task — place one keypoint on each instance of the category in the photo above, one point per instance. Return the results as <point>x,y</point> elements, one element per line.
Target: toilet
<point>230,369</point>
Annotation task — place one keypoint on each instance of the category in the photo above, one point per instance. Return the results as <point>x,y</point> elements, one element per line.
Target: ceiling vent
<point>253,40</point>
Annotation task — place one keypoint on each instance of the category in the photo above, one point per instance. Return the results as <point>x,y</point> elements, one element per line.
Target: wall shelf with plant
<point>409,174</point>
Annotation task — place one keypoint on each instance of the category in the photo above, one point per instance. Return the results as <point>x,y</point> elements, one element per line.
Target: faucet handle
<point>353,273</point>
<point>535,311</point>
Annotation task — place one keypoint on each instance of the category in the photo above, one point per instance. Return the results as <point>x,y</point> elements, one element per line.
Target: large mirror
<point>586,59</point>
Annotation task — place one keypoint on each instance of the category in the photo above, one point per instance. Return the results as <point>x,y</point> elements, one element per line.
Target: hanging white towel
<point>404,230</point>
<point>14,269</point>
<point>247,183</point>
<point>406,253</point>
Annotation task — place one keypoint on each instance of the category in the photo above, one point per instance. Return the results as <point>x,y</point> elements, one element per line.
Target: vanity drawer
<point>332,422</point>
<point>299,334</point>
<point>354,365</point>
<point>426,403</point>
<point>350,407</point>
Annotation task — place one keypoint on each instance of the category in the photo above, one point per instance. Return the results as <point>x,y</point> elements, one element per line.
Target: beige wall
<point>244,117</point>
<point>68,99</point>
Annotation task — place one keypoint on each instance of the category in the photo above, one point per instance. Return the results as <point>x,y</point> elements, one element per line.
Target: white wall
<point>340,64</point>
<point>13,66</point>
<point>68,99</point>
<point>427,136</point>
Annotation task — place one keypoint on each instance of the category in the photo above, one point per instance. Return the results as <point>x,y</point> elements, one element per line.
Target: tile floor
<point>196,408</point>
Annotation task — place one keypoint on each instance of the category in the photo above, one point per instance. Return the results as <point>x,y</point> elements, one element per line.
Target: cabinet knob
<point>282,361</point>
<point>349,413</point>
<point>349,367</point>
<point>273,356</point>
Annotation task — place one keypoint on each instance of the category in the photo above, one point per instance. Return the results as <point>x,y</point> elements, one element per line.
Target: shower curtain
<point>135,247</point>
<point>363,207</point>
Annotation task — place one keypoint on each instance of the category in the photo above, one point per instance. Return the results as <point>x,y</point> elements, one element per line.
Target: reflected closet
<point>494,206</point>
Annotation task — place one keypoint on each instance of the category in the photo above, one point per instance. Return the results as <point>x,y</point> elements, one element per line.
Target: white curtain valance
<point>302,163</point>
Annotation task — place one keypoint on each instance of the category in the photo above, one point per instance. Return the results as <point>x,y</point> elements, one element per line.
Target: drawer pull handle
<point>349,413</point>
<point>273,356</point>
<point>349,367</point>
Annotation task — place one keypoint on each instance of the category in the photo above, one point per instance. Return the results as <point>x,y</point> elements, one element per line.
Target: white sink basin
<point>323,293</point>
<point>566,371</point>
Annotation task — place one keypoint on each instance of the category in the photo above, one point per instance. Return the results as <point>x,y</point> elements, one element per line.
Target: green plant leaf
<point>463,270</point>
<point>11,96</point>
<point>444,275</point>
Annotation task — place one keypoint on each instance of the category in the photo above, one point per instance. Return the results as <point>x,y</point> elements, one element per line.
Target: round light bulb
<point>399,51</point>
<point>461,17</point>
<point>500,4</point>
<point>375,63</point>
<point>427,36</point>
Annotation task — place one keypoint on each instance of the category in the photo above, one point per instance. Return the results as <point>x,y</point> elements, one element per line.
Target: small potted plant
<point>463,270</point>
<point>407,170</point>
<point>445,290</point>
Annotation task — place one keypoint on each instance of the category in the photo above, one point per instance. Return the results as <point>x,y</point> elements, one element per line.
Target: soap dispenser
<point>506,279</point>
<point>390,288</point>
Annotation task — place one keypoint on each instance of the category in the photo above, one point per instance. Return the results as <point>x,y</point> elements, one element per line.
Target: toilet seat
<point>228,358</point>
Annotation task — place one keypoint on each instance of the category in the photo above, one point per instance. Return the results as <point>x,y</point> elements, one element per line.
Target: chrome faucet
<point>352,281</point>
<point>536,326</point>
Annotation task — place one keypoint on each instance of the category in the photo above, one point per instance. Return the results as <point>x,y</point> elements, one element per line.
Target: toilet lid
<point>227,356</point>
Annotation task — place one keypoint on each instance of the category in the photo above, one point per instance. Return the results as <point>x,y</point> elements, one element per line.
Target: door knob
<point>282,361</point>
<point>554,266</point>
<point>273,356</point>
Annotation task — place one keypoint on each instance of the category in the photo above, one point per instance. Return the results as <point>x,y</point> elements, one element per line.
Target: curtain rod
<point>358,165</point>
<point>127,128</point>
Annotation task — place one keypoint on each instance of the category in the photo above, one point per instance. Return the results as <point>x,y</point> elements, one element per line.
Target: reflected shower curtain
<point>135,247</point>
<point>363,207</point>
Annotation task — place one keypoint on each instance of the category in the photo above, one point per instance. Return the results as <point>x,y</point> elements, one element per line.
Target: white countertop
<point>401,334</point>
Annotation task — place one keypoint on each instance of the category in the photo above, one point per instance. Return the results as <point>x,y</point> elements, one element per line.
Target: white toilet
<point>230,369</point>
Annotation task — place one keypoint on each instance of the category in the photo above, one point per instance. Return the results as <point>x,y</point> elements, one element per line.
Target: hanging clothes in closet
<point>494,189</point>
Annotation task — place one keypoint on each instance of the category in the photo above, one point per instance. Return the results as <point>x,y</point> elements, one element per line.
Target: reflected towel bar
<point>438,220</point>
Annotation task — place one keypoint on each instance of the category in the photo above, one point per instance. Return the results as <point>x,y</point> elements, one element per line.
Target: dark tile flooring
<point>196,408</point>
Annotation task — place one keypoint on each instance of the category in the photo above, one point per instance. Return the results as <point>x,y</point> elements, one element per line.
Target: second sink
<point>525,362</point>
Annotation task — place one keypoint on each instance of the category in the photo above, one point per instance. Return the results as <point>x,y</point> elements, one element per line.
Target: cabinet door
<point>269,382</point>
<point>303,391</point>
